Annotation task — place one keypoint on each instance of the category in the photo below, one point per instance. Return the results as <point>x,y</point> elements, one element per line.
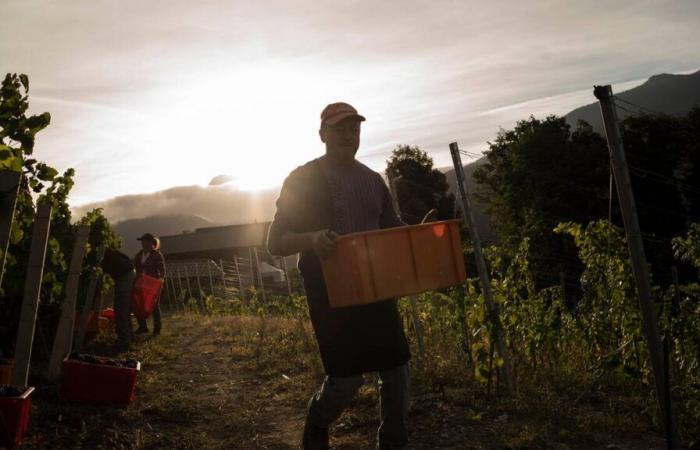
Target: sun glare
<point>254,124</point>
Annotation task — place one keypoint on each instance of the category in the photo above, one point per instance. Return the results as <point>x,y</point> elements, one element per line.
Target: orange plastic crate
<point>380,264</point>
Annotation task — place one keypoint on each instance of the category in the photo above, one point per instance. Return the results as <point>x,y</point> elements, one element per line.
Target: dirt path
<point>230,382</point>
<point>233,395</point>
<point>199,388</point>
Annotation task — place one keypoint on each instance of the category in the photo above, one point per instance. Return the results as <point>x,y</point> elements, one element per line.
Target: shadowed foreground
<point>243,382</point>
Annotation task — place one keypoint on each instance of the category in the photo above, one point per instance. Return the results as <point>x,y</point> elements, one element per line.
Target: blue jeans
<point>336,394</point>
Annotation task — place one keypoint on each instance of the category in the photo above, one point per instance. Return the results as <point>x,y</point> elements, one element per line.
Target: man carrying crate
<point>319,201</point>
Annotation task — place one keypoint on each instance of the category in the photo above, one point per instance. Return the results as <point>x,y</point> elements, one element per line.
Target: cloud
<point>217,204</point>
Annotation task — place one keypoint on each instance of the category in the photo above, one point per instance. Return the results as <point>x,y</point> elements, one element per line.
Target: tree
<point>43,183</point>
<point>420,187</point>
<point>538,175</point>
<point>541,173</point>
<point>663,154</point>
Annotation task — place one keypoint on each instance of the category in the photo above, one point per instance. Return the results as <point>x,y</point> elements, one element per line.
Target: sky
<point>149,95</point>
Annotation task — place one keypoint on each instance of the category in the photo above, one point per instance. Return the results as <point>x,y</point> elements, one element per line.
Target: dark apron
<point>352,340</point>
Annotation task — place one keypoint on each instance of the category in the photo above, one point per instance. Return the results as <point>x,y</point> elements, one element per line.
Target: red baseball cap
<point>335,112</point>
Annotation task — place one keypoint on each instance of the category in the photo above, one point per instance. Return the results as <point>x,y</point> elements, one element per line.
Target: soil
<point>243,382</point>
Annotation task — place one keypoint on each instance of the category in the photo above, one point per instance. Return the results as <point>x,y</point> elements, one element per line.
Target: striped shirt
<point>361,199</point>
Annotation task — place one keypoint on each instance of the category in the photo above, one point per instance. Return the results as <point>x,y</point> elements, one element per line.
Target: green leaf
<point>9,159</point>
<point>38,123</point>
<point>25,81</point>
<point>46,173</point>
<point>16,235</point>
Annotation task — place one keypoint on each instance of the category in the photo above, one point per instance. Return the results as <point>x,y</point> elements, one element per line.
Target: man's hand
<point>323,242</point>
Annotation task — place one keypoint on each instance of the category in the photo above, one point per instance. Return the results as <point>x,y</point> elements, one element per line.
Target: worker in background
<point>151,262</point>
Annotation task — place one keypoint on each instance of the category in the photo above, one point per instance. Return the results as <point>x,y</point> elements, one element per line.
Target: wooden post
<point>395,195</point>
<point>166,290</point>
<point>240,278</point>
<point>491,307</point>
<point>179,280</point>
<point>639,263</point>
<point>187,280</point>
<point>223,279</point>
<point>176,295</point>
<point>202,304</point>
<point>183,295</point>
<point>415,317</point>
<point>9,187</point>
<point>260,278</point>
<point>172,295</point>
<point>211,279</point>
<point>199,284</point>
<point>198,298</point>
<point>252,268</point>
<point>64,331</point>
<point>88,306</point>
<point>286,276</point>
<point>32,289</point>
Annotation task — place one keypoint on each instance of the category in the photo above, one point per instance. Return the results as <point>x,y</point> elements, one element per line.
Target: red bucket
<point>108,313</point>
<point>145,295</point>
<point>14,416</point>
<point>97,382</point>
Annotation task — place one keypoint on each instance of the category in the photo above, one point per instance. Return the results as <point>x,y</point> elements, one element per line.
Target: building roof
<point>227,237</point>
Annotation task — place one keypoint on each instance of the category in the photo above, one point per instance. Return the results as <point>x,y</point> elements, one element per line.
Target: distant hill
<point>131,229</point>
<point>173,210</point>
<point>665,93</point>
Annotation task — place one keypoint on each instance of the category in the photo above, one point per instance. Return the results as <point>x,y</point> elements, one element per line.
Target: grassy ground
<point>242,382</point>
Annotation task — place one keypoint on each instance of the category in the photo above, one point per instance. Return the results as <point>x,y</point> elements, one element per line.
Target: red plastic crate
<point>97,383</point>
<point>14,418</point>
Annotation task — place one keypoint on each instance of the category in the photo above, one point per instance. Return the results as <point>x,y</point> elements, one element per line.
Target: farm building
<point>235,252</point>
<point>215,243</point>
